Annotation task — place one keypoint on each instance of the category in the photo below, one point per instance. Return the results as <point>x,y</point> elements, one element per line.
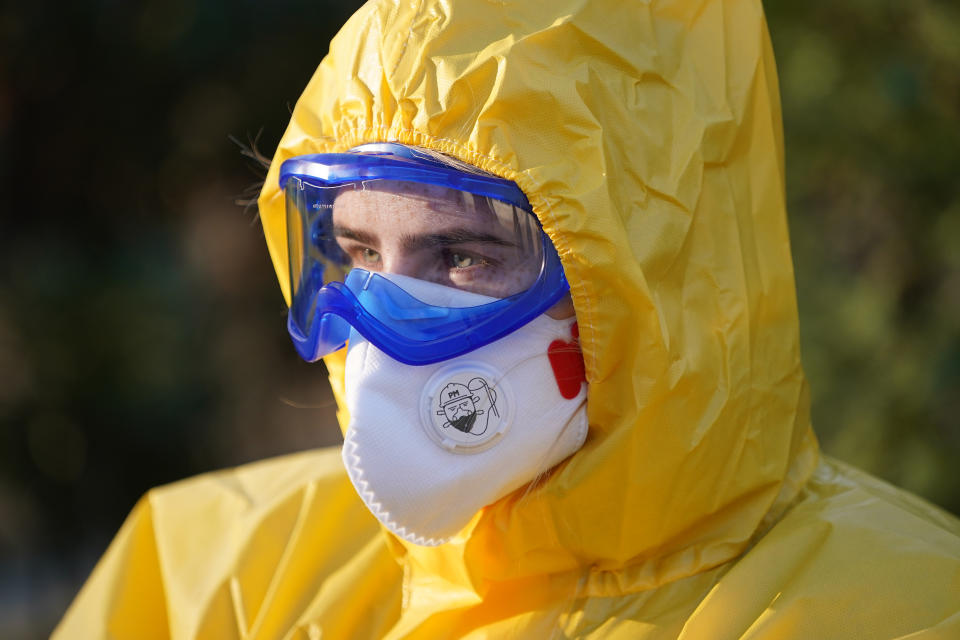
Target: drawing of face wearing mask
<point>462,404</point>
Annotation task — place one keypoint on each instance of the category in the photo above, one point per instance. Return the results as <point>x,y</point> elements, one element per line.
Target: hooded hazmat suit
<point>647,137</point>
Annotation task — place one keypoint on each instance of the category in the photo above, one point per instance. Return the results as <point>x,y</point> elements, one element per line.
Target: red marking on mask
<point>567,363</point>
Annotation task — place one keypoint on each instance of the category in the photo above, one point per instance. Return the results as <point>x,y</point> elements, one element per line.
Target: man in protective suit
<point>646,141</point>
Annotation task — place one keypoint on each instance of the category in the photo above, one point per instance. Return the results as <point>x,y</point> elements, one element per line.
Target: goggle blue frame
<point>402,326</point>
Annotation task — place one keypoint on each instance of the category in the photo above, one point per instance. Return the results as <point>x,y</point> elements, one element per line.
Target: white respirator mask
<point>428,446</point>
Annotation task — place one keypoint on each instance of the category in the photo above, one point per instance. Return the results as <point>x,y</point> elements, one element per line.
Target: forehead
<point>377,198</point>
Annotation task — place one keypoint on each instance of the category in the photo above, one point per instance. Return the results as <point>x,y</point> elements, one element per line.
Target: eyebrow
<point>448,238</point>
<point>355,234</point>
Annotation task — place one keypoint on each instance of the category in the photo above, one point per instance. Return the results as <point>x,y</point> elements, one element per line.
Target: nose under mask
<point>427,447</point>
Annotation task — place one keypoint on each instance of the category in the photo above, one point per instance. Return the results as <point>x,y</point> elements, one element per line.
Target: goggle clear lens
<point>360,244</point>
<point>427,232</point>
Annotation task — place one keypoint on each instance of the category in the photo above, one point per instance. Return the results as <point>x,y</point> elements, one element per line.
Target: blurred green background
<point>142,335</point>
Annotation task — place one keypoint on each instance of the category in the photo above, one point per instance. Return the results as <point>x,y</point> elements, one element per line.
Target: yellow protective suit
<point>647,136</point>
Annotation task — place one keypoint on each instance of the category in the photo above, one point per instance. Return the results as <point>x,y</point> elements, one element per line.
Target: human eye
<point>362,256</point>
<point>370,256</point>
<point>461,260</point>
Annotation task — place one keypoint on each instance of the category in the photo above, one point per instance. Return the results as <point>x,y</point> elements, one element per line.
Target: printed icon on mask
<point>462,405</point>
<point>466,407</point>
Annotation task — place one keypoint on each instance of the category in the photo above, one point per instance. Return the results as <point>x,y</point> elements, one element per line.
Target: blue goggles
<point>361,224</point>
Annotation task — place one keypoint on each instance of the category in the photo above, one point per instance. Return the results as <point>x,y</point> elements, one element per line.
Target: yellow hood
<point>647,137</point>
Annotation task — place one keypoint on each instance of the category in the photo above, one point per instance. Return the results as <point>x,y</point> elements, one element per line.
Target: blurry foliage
<point>142,334</point>
<point>871,103</point>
